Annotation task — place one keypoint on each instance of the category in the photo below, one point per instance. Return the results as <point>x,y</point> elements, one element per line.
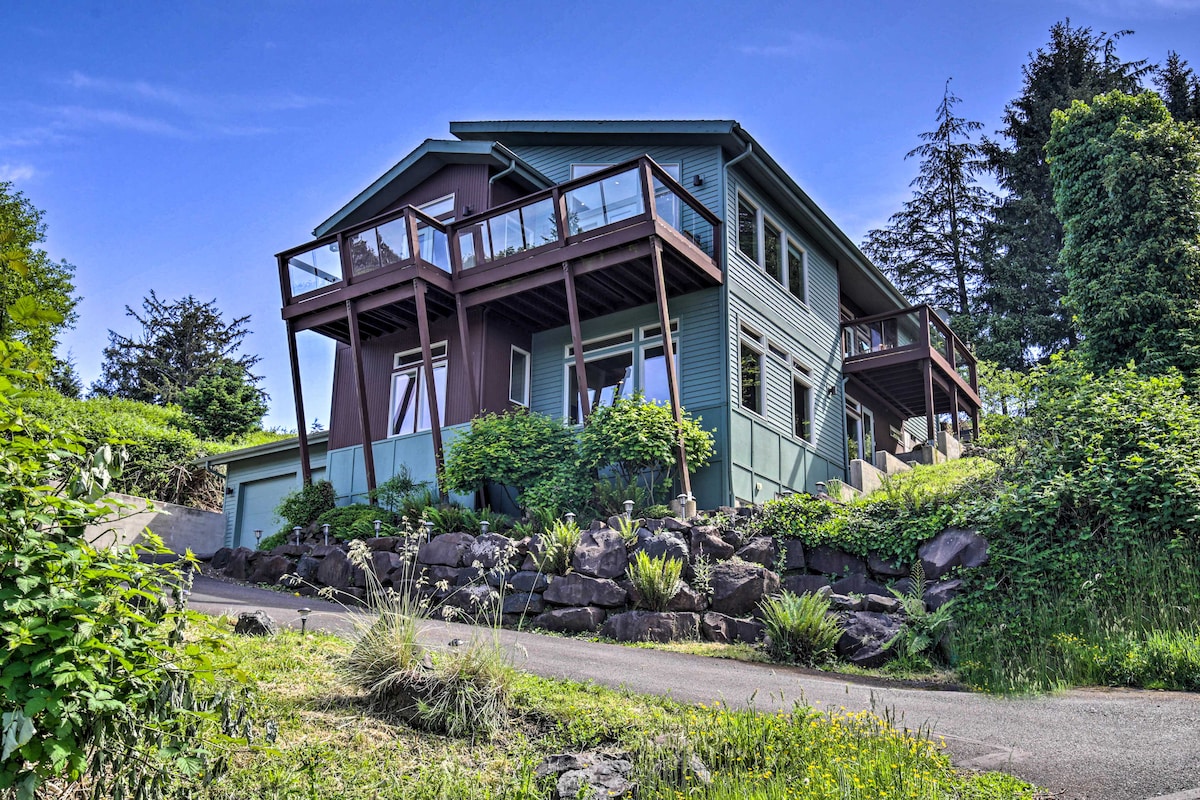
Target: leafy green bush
<point>563,487</point>
<point>515,450</point>
<point>392,493</point>
<point>800,629</point>
<point>343,520</point>
<point>306,505</point>
<point>269,543</point>
<point>656,579</point>
<point>638,439</point>
<point>95,683</point>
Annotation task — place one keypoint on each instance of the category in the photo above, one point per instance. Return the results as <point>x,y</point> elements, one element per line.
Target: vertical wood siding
<point>468,182</point>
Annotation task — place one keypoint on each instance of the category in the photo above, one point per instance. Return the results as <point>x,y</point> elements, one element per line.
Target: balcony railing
<point>918,330</point>
<point>607,200</point>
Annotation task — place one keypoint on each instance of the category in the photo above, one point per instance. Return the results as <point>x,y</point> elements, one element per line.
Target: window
<point>619,364</point>
<point>860,431</point>
<point>780,256</point>
<point>518,377</point>
<point>441,209</point>
<point>751,371</point>
<point>802,410</point>
<point>409,403</point>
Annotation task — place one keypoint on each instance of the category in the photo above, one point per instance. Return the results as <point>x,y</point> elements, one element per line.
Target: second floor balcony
<point>511,257</point>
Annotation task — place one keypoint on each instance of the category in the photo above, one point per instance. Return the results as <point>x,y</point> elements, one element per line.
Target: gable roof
<point>875,293</point>
<point>410,171</point>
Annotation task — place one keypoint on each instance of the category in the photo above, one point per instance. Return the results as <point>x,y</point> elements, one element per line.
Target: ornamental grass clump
<point>460,691</point>
<point>657,579</point>
<point>800,629</point>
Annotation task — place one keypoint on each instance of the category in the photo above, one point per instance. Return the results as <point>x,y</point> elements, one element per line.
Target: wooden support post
<point>301,422</point>
<point>464,340</point>
<point>664,319</point>
<point>954,402</point>
<point>435,422</point>
<point>930,412</point>
<point>360,391</point>
<point>577,341</point>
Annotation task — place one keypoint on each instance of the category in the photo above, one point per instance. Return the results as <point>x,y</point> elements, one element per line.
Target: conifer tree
<point>1180,88</point>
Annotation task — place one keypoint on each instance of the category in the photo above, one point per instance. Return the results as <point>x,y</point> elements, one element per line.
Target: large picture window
<point>409,408</point>
<point>618,365</point>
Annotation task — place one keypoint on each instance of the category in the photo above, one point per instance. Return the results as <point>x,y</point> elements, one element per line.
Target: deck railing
<point>915,329</point>
<point>577,210</point>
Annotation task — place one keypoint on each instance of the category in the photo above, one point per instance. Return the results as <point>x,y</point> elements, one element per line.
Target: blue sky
<point>177,147</point>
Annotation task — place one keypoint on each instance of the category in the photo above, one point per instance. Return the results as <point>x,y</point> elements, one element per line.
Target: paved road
<point>1093,744</point>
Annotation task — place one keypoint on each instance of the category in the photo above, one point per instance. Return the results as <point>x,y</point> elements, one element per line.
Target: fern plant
<point>555,547</point>
<point>657,579</point>
<point>924,631</point>
<point>628,528</point>
<point>800,629</point>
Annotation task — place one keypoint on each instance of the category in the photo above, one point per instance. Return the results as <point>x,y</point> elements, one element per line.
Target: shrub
<point>391,493</point>
<point>306,505</point>
<point>343,520</point>
<point>656,579</point>
<point>555,546</point>
<point>94,682</point>
<point>452,518</point>
<point>515,450</point>
<point>800,629</point>
<point>562,487</point>
<point>628,528</point>
<point>658,512</point>
<point>639,439</point>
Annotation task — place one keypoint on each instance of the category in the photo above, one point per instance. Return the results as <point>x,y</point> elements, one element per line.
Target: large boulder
<point>528,581</point>
<point>832,561</point>
<point>574,589</point>
<point>337,571</point>
<point>524,603</point>
<point>293,550</point>
<point>391,543</point>
<point>306,568</point>
<point>449,550</point>
<point>651,626</point>
<point>490,550</point>
<point>865,637</point>
<point>591,777</point>
<point>255,623</point>
<point>759,550</point>
<point>270,569</point>
<point>664,545</point>
<point>940,593</point>
<point>238,567</point>
<point>707,541</point>
<point>858,584</point>
<point>793,554</point>
<point>383,562</point>
<point>738,587</point>
<point>220,558</point>
<point>687,599</point>
<point>600,554</point>
<point>570,620</point>
<point>475,601</point>
<point>724,629</point>
<point>953,547</point>
<point>885,567</point>
<point>806,584</point>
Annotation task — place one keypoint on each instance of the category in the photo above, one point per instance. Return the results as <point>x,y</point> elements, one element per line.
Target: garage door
<point>256,507</point>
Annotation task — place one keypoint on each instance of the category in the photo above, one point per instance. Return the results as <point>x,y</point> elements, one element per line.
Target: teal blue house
<point>559,264</point>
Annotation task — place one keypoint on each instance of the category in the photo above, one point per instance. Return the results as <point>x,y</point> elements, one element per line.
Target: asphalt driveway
<point>1085,743</point>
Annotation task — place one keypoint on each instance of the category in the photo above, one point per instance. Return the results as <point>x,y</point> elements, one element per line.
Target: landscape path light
<point>257,538</point>
<point>304,612</point>
<point>428,530</point>
<point>683,501</point>
<point>296,530</point>
<point>483,527</point>
<point>325,531</point>
<point>570,515</point>
<point>378,526</point>
<point>628,509</point>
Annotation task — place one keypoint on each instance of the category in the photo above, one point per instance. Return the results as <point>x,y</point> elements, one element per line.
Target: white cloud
<point>794,45</point>
<point>16,172</point>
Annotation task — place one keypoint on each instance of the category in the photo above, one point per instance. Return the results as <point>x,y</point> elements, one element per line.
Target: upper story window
<point>441,209</point>
<point>768,244</point>
<point>750,371</point>
<point>409,407</point>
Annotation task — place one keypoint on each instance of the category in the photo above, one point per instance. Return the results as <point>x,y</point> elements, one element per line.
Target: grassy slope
<point>328,745</point>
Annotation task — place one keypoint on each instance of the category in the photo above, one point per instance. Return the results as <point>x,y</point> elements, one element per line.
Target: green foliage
<point>932,249</point>
<point>269,543</point>
<point>391,493</point>
<point>515,450</point>
<point>657,579</point>
<point>1023,282</point>
<point>1127,189</point>
<point>563,486</point>
<point>639,439</point>
<point>554,547</point>
<point>1095,527</point>
<point>628,528</point>
<point>224,402</point>
<point>452,518</point>
<point>1154,660</point>
<point>800,629</point>
<point>180,343</point>
<point>924,632</point>
<point>356,521</point>
<point>609,495</point>
<point>657,512</point>
<point>305,505</point>
<point>95,682</point>
<point>1180,88</point>
<point>37,301</point>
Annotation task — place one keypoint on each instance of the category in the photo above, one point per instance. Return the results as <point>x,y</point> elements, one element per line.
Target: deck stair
<point>866,477</point>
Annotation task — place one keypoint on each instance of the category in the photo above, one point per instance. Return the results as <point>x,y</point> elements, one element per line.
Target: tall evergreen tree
<point>180,343</point>
<point>1180,88</point>
<point>1127,187</point>
<point>1023,285</point>
<point>931,248</point>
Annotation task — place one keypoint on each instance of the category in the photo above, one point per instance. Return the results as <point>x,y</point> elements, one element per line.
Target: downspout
<point>845,435</point>
<point>728,483</point>
<point>512,167</point>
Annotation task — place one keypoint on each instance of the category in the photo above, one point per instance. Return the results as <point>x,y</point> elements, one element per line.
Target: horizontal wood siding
<point>763,448</point>
<point>555,163</point>
<point>701,340</point>
<point>264,467</point>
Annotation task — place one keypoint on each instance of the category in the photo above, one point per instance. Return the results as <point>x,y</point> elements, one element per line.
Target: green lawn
<point>330,746</point>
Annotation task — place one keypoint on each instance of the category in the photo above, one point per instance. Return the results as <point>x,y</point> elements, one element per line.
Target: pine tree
<point>1023,284</point>
<point>931,248</point>
<point>1180,88</point>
